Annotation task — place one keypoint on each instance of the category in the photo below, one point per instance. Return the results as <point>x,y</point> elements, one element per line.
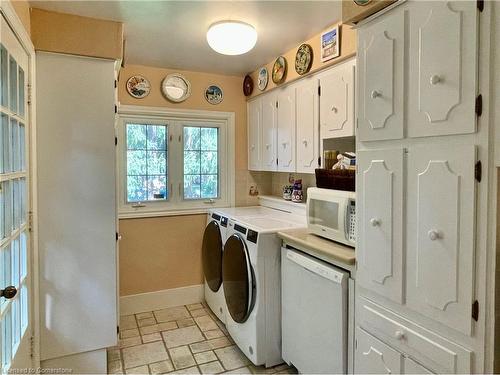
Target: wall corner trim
<point>161,299</point>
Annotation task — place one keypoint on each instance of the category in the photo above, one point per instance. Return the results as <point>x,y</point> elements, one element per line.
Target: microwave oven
<point>332,214</point>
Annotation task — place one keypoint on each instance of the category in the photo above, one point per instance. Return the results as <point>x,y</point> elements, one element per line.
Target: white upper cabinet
<point>440,233</point>
<point>337,101</point>
<point>380,219</point>
<point>381,47</point>
<point>269,132</point>
<point>307,108</point>
<point>254,134</point>
<point>442,68</point>
<point>374,357</point>
<point>286,129</point>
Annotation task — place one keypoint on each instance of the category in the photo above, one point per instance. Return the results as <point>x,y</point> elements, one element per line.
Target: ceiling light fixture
<point>231,37</point>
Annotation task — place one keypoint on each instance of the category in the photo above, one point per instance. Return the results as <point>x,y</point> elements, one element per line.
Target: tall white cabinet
<point>77,211</point>
<point>418,184</point>
<point>286,125</point>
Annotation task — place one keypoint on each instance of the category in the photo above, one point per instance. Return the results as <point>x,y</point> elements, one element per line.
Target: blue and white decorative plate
<point>263,78</point>
<point>214,94</point>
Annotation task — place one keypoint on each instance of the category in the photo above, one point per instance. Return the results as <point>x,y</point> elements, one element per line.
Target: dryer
<point>214,238</point>
<point>251,272</point>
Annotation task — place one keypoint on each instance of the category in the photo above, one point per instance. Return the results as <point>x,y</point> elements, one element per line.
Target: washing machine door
<point>239,279</point>
<point>212,255</point>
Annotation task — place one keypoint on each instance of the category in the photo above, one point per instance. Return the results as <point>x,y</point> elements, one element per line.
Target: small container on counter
<point>329,158</point>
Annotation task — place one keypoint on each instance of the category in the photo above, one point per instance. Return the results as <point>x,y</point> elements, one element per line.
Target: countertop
<point>322,248</point>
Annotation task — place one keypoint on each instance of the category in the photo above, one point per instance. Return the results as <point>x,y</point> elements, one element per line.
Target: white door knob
<point>399,335</point>
<point>435,79</point>
<point>433,234</point>
<point>375,94</point>
<point>304,141</point>
<point>334,109</point>
<point>374,222</point>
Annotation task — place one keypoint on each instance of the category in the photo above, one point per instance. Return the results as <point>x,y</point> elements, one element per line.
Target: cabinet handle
<point>399,335</point>
<point>435,79</point>
<point>375,222</point>
<point>433,234</point>
<point>334,109</point>
<point>375,94</point>
<point>138,205</point>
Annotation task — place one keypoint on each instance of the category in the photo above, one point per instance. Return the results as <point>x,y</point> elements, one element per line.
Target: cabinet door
<point>380,222</point>
<point>307,145</point>
<point>412,367</point>
<point>443,68</point>
<point>381,77</point>
<point>440,232</point>
<point>254,134</point>
<point>286,129</point>
<point>269,130</point>
<point>337,102</point>
<point>374,357</point>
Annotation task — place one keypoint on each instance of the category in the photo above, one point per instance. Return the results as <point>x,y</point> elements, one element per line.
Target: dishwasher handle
<point>325,271</point>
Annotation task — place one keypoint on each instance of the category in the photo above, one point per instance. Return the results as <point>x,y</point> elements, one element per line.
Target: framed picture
<point>330,44</point>
<point>213,94</point>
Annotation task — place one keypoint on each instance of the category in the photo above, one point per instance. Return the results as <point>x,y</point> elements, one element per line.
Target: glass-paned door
<point>15,295</point>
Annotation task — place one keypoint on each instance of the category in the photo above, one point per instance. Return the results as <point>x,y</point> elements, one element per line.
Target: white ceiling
<point>173,33</point>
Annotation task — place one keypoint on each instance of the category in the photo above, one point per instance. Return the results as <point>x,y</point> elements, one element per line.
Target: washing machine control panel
<point>223,221</point>
<point>252,236</point>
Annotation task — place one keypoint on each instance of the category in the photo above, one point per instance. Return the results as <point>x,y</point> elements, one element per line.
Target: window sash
<point>176,203</point>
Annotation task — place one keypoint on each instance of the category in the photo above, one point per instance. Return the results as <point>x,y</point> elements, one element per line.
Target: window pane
<point>192,187</point>
<point>23,260</point>
<point>136,162</point>
<point>157,137</point>
<point>137,189</point>
<point>13,83</point>
<point>6,208</point>
<point>24,309</point>
<point>157,163</point>
<point>208,162</point>
<point>136,137</point>
<point>22,147</point>
<point>209,186</point>
<point>6,339</point>
<point>14,157</point>
<point>209,139</point>
<point>3,76</point>
<point>5,270</point>
<point>4,143</point>
<point>157,187</point>
<point>191,138</point>
<point>191,162</point>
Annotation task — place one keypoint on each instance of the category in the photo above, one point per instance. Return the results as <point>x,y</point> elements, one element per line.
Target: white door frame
<point>10,15</point>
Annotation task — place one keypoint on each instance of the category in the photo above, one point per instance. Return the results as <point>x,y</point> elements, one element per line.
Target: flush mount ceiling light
<point>231,37</point>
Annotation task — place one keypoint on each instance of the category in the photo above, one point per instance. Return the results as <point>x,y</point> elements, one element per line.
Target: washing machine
<point>214,238</point>
<point>251,272</point>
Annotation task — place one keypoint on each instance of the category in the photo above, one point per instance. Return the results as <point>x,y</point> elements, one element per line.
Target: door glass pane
<point>22,147</point>
<point>13,84</point>
<point>324,213</point>
<point>5,268</point>
<point>23,192</point>
<point>14,258</point>
<point>14,145</point>
<point>24,309</point>
<point>6,339</point>
<point>5,143</point>
<point>5,208</point>
<point>23,256</point>
<point>3,77</point>
<point>211,252</point>
<point>21,92</point>
<point>16,322</point>
<point>16,204</point>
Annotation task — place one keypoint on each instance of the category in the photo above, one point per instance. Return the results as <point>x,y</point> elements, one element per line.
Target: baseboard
<point>161,299</point>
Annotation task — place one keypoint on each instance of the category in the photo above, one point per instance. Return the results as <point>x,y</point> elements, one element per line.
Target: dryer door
<point>239,279</point>
<point>212,255</point>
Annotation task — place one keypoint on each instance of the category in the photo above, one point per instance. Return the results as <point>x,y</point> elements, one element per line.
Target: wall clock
<point>263,78</point>
<point>303,59</point>
<point>279,70</point>
<point>176,88</point>
<point>138,87</point>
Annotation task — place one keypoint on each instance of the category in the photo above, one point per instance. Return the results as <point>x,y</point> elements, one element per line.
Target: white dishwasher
<point>314,314</point>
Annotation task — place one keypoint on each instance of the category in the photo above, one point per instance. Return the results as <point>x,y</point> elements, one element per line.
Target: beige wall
<point>66,33</point>
<point>347,50</point>
<point>164,253</point>
<point>22,8</point>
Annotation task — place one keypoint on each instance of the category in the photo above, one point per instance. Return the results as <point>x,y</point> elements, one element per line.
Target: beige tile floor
<point>181,340</point>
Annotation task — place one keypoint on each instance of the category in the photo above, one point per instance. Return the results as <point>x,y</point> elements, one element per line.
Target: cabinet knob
<point>268,145</point>
<point>435,79</point>
<point>284,144</point>
<point>374,222</point>
<point>433,234</point>
<point>399,335</point>
<point>252,147</point>
<point>304,141</point>
<point>375,94</point>
<point>334,109</point>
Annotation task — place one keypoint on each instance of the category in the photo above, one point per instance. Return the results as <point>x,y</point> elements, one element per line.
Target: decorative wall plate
<point>303,59</point>
<point>247,85</point>
<point>362,2</point>
<point>138,87</point>
<point>213,94</point>
<point>263,78</point>
<point>176,88</point>
<point>279,70</point>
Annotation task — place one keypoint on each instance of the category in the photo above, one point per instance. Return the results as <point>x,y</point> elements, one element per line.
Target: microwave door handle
<point>343,208</point>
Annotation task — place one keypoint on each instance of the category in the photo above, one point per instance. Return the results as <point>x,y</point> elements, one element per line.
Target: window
<point>174,162</point>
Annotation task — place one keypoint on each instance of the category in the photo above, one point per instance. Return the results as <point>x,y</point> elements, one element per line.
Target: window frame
<point>176,120</point>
